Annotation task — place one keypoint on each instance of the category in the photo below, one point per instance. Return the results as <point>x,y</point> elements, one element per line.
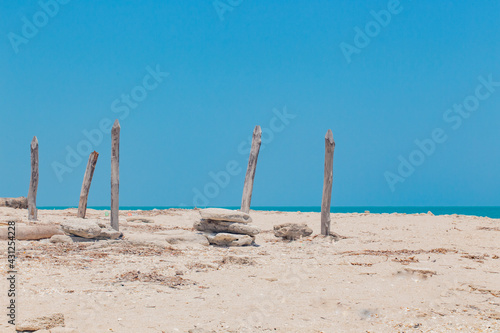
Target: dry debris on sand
<point>386,273</point>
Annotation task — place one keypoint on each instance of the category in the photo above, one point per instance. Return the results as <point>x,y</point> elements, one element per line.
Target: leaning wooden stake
<point>87,180</point>
<point>115,174</point>
<point>327,184</point>
<point>32,211</point>
<point>252,165</point>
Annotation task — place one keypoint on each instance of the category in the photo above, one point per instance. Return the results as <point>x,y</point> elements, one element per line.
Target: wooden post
<point>87,180</point>
<point>32,211</point>
<point>327,184</point>
<point>252,165</point>
<point>115,174</point>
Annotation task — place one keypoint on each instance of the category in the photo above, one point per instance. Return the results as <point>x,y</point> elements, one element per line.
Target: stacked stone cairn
<point>225,227</point>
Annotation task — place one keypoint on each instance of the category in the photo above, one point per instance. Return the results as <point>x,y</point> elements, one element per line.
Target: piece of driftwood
<point>32,211</point>
<point>20,202</point>
<point>25,232</point>
<point>327,184</point>
<point>252,165</point>
<point>115,175</point>
<point>87,180</point>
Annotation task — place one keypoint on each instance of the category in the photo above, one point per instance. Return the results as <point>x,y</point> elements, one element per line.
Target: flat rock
<point>292,230</point>
<point>228,215</point>
<point>109,233</point>
<point>184,237</point>
<point>64,239</point>
<point>82,227</point>
<point>41,323</point>
<point>223,226</point>
<point>227,239</point>
<point>147,240</point>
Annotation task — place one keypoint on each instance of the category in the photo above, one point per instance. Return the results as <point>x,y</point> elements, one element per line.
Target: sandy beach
<point>388,273</point>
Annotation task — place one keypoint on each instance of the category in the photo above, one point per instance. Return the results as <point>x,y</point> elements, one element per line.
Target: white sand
<point>393,273</point>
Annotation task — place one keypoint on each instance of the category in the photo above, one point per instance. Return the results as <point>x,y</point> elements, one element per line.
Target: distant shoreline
<point>481,211</point>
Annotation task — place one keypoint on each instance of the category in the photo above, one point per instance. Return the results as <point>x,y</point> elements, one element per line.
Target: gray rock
<point>109,233</point>
<point>64,239</point>
<point>220,214</point>
<point>292,230</point>
<point>223,226</point>
<point>82,227</point>
<point>41,323</point>
<point>184,237</point>
<point>227,239</point>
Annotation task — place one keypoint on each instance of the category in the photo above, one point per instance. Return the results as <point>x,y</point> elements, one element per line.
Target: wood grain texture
<point>87,180</point>
<point>32,210</point>
<point>252,166</point>
<point>327,184</point>
<point>115,174</point>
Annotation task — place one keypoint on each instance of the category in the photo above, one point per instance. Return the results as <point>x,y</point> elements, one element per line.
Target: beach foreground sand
<point>391,273</point>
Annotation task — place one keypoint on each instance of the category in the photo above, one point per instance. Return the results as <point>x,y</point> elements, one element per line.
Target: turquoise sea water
<point>490,211</point>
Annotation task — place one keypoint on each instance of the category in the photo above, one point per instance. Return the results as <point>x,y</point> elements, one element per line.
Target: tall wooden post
<point>32,211</point>
<point>252,165</point>
<point>115,174</point>
<point>327,184</point>
<point>87,180</point>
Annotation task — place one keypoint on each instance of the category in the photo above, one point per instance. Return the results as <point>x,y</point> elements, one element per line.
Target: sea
<point>484,211</point>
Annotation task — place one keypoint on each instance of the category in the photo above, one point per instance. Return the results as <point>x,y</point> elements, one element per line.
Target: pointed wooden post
<point>32,211</point>
<point>115,174</point>
<point>252,165</point>
<point>327,184</point>
<point>87,180</point>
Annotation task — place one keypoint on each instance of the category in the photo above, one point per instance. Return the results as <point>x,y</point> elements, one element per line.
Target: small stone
<point>103,224</point>
<point>292,230</point>
<point>223,226</point>
<point>227,239</point>
<point>228,215</point>
<point>81,227</point>
<point>140,219</point>
<point>430,213</point>
<point>41,323</point>
<point>109,233</point>
<point>64,239</point>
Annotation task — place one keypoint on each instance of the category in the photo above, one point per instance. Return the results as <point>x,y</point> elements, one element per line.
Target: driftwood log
<point>20,202</point>
<point>25,232</point>
<point>250,175</point>
<point>115,175</point>
<point>327,184</point>
<point>32,211</point>
<point>87,180</point>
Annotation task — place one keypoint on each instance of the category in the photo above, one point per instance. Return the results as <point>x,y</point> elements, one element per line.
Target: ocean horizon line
<point>482,211</point>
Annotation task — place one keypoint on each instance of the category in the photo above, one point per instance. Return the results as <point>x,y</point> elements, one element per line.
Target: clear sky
<point>189,80</point>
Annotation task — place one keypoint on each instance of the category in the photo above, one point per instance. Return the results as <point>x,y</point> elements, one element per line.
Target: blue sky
<point>67,67</point>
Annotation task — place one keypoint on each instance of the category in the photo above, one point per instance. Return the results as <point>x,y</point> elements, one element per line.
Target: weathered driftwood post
<point>115,174</point>
<point>327,184</point>
<point>252,165</point>
<point>32,211</point>
<point>87,180</point>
